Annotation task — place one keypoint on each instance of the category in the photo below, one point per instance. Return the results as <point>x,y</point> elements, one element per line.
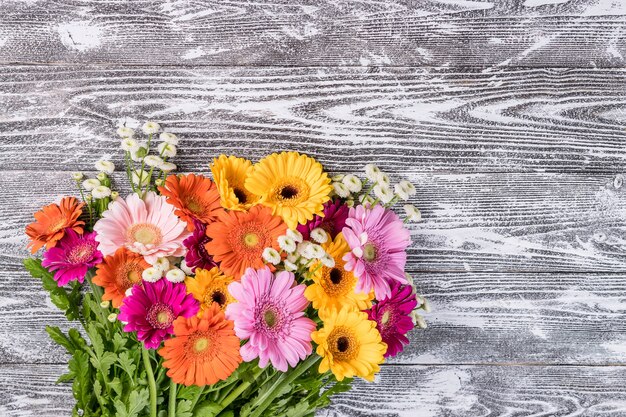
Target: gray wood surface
<point>508,115</point>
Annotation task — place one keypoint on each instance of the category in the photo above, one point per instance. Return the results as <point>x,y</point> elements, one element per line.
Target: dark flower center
<point>335,276</point>
<point>241,196</point>
<point>343,343</point>
<point>288,192</point>
<point>218,297</point>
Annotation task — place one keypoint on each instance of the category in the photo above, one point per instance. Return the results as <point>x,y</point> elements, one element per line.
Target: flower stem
<point>172,402</point>
<point>239,390</point>
<point>151,382</point>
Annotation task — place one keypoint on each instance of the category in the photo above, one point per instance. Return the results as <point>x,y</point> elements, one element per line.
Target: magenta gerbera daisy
<point>72,257</point>
<point>378,241</point>
<point>270,313</point>
<point>333,220</point>
<point>151,309</point>
<point>197,256</point>
<point>392,317</point>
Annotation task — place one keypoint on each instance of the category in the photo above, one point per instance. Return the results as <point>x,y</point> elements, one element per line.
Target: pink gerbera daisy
<point>392,317</point>
<point>378,241</point>
<point>72,257</point>
<point>148,227</point>
<point>197,256</point>
<point>270,313</point>
<point>332,221</point>
<point>151,309</point>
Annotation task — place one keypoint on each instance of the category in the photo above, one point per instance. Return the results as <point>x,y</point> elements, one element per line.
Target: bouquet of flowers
<point>262,291</point>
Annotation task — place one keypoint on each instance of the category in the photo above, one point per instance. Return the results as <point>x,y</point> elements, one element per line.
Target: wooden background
<point>508,115</point>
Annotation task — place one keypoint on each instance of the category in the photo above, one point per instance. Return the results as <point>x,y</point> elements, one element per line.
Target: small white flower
<point>77,176</point>
<point>371,172</point>
<point>287,244</point>
<point>407,187</point>
<point>142,176</point>
<point>384,194</point>
<point>112,317</point>
<point>105,166</point>
<point>328,261</point>
<point>315,251</point>
<point>337,177</point>
<point>129,292</point>
<point>152,274</point>
<point>125,132</point>
<point>175,275</point>
<point>101,176</point>
<point>167,149</point>
<point>400,192</point>
<point>153,160</point>
<point>341,190</point>
<point>105,304</point>
<point>162,264</point>
<point>90,184</point>
<point>271,256</point>
<point>295,235</point>
<point>412,213</point>
<point>290,266</point>
<point>319,235</point>
<point>185,268</point>
<point>159,182</point>
<point>353,183</point>
<point>140,153</point>
<point>383,179</point>
<point>169,138</point>
<point>167,167</point>
<point>129,145</point>
<point>114,195</point>
<point>302,249</point>
<point>150,128</point>
<point>101,191</point>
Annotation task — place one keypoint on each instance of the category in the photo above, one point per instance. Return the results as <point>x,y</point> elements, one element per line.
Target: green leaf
<point>65,378</point>
<point>137,401</point>
<point>190,392</point>
<point>58,295</point>
<point>183,408</point>
<point>119,342</point>
<point>103,362</point>
<point>127,364</point>
<point>96,339</point>
<point>57,335</point>
<point>117,386</point>
<point>82,386</point>
<point>207,409</point>
<point>77,339</point>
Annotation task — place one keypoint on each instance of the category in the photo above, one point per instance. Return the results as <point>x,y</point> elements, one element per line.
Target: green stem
<point>172,403</point>
<point>151,383</point>
<point>278,385</point>
<point>238,391</point>
<point>129,171</point>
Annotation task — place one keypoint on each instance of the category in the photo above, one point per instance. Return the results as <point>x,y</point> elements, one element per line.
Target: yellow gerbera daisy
<point>208,287</point>
<point>229,174</point>
<point>349,344</point>
<point>294,186</point>
<point>335,287</point>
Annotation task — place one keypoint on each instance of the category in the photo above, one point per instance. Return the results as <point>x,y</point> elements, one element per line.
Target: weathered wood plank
<point>476,318</point>
<point>402,118</point>
<point>543,33</point>
<point>424,391</point>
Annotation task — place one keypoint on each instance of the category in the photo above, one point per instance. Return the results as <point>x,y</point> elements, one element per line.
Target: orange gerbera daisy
<point>194,196</point>
<point>118,273</point>
<point>52,221</point>
<point>209,287</point>
<point>238,238</point>
<point>203,350</point>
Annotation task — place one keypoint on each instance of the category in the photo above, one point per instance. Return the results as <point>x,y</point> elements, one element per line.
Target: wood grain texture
<point>543,33</point>
<point>569,226</point>
<point>420,119</point>
<point>399,391</point>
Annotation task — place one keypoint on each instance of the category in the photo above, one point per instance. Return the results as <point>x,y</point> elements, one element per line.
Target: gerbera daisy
<point>203,350</point>
<point>378,242</point>
<point>270,313</point>
<point>294,186</point>
<point>334,287</point>
<point>151,309</point>
<point>229,174</point>
<point>332,220</point>
<point>52,221</point>
<point>349,344</point>
<point>239,238</point>
<point>72,257</point>
<point>148,227</point>
<point>119,272</point>
<point>194,196</point>
<point>197,256</point>
<point>209,287</point>
<point>392,317</point>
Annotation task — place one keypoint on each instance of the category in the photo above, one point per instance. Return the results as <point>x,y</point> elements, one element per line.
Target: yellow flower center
<point>57,225</point>
<point>251,239</point>
<point>386,317</point>
<point>145,233</point>
<point>194,206</point>
<point>343,344</point>
<point>270,318</point>
<point>133,276</point>
<point>290,191</point>
<point>369,252</point>
<point>201,344</point>
<point>163,317</point>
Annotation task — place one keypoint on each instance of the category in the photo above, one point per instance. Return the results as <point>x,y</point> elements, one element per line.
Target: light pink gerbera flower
<point>148,227</point>
<point>378,241</point>
<point>270,313</point>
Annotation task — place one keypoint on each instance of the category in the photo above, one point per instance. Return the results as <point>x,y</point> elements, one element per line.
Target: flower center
<point>251,239</point>
<point>369,252</point>
<point>335,276</point>
<point>160,316</point>
<point>194,206</point>
<point>343,344</point>
<point>270,318</point>
<point>241,195</point>
<point>215,296</point>
<point>81,253</point>
<point>288,192</point>
<point>201,344</point>
<point>57,225</point>
<point>128,275</point>
<point>145,233</point>
<point>386,317</point>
